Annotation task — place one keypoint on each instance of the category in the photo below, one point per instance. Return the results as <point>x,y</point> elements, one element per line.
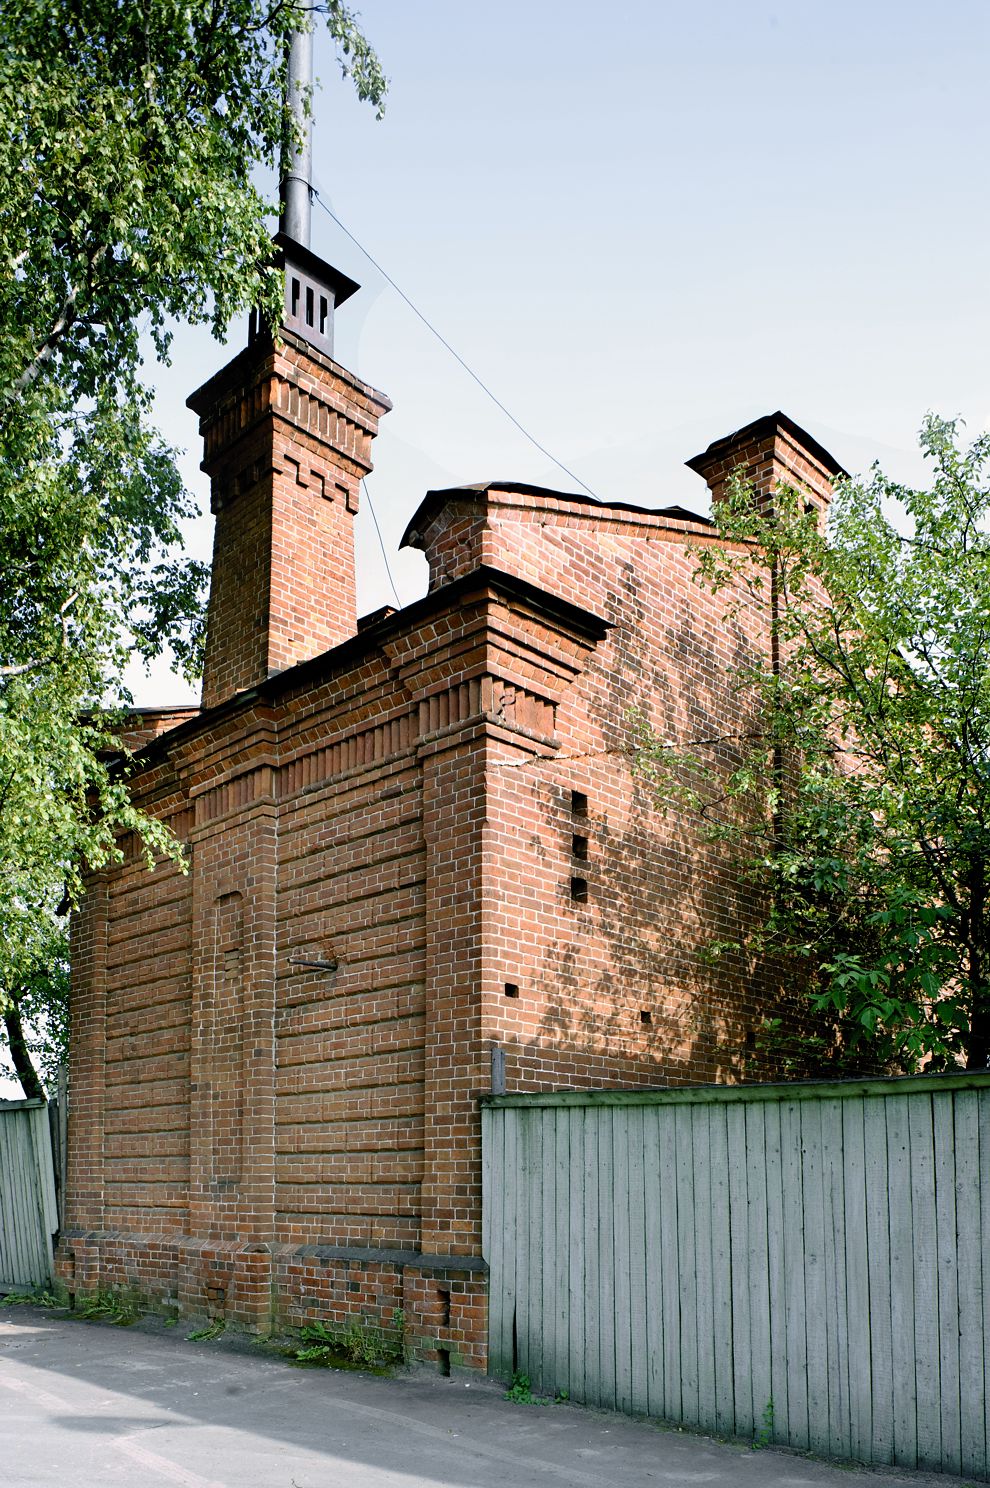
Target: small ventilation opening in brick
<point>512,989</point>
<point>579,890</point>
<point>294,297</point>
<point>810,509</point>
<point>645,1016</point>
<point>443,1356</point>
<point>443,1297</point>
<point>579,847</point>
<point>750,1038</point>
<point>579,803</point>
<point>310,306</point>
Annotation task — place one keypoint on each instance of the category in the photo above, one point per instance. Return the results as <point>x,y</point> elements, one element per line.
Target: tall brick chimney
<point>287,437</point>
<point>771,451</point>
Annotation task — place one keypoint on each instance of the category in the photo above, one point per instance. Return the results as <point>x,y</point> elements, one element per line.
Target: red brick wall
<point>269,1141</point>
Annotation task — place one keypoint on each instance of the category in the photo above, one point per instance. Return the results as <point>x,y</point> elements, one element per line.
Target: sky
<point>643,225</point>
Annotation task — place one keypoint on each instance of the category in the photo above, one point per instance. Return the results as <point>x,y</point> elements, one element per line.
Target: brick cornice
<point>537,504</point>
<point>291,352</point>
<point>239,727</point>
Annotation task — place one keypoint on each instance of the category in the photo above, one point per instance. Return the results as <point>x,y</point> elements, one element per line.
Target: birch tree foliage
<point>860,800</point>
<point>133,134</point>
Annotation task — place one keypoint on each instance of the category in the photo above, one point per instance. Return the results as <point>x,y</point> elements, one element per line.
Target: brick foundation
<point>435,1308</point>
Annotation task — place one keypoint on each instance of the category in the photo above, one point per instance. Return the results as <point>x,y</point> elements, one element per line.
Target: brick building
<point>419,864</point>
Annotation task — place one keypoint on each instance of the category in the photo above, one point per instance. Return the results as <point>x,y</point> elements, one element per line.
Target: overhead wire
<point>381,544</point>
<point>456,355</point>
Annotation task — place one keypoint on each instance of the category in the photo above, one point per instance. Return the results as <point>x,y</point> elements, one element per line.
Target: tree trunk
<point>978,1048</point>
<point>978,1043</point>
<point>20,1054</point>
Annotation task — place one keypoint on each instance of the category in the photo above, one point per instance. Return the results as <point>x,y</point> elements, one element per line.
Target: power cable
<point>457,357</point>
<point>381,544</point>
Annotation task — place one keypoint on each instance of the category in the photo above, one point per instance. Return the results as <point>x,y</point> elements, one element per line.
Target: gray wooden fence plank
<point>758,1250</point>
<point>8,1270</point>
<point>672,1266</point>
<point>636,1132</point>
<point>983,1104</point>
<point>492,1228</point>
<point>902,1304</point>
<point>577,1283</point>
<point>531,1314</point>
<point>46,1167</point>
<point>22,1215</point>
<point>620,1268</point>
<point>30,1201</point>
<point>656,1261</point>
<point>878,1269</point>
<point>704,1180</point>
<point>562,1122</point>
<point>835,1278</point>
<point>775,1274</point>
<point>606,1262</point>
<point>8,1265</point>
<point>792,1165</point>
<point>499,1354</point>
<point>687,1262</point>
<point>718,1146</point>
<point>947,1251</point>
<point>739,1239</point>
<point>815,1279</point>
<point>856,1257</point>
<point>511,1244</point>
<point>972,1375</point>
<point>592,1230</point>
<point>925,1258</point>
<point>523,1256</point>
<point>549,1257</point>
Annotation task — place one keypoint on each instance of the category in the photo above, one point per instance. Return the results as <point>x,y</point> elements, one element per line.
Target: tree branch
<point>66,318</point>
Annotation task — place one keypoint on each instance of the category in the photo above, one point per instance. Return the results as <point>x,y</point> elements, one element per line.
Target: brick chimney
<point>771,451</point>
<point>287,437</point>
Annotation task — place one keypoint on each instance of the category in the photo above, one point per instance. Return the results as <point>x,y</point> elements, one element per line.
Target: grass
<point>34,1299</point>
<point>107,1307</point>
<point>357,1345</point>
<point>764,1436</point>
<point>209,1333</point>
<point>520,1392</point>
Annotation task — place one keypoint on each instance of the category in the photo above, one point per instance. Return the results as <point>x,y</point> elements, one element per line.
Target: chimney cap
<point>289,251</point>
<point>760,428</point>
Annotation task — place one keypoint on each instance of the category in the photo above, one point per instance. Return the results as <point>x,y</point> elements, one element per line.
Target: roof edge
<point>768,423</point>
<point>435,500</point>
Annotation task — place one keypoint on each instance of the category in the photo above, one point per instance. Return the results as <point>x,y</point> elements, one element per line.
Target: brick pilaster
<point>87,1088</point>
<point>453,828</point>
<point>232,1054</point>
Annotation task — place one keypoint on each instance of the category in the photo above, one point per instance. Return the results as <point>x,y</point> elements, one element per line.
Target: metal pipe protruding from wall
<point>297,169</point>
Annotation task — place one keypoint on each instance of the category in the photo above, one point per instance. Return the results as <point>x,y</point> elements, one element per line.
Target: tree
<point>860,801</point>
<point>132,134</point>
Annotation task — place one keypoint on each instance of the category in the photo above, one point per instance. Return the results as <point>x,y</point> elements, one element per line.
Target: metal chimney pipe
<point>297,166</point>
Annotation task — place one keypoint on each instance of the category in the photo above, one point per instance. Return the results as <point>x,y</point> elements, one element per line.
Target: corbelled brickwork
<point>287,439</point>
<point>420,864</point>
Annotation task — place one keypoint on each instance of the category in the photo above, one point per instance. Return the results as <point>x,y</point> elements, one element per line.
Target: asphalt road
<point>90,1405</point>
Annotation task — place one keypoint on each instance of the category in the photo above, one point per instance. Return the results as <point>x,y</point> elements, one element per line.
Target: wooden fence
<point>808,1264</point>
<point>28,1207</point>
